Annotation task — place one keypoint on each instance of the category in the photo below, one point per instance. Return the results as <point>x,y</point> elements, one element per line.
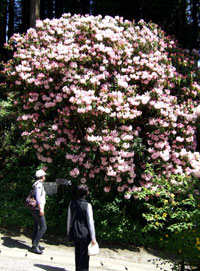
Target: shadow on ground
<point>50,268</point>
<point>11,243</point>
<point>51,239</point>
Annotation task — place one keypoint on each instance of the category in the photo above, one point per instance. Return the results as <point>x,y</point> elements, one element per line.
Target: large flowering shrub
<point>111,96</point>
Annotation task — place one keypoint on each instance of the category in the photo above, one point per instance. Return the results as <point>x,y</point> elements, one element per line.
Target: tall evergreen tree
<point>108,7</point>
<point>25,15</point>
<point>180,20</point>
<point>46,9</point>
<point>84,6</point>
<point>3,16</point>
<point>195,15</point>
<point>11,18</point>
<point>34,12</point>
<point>59,8</point>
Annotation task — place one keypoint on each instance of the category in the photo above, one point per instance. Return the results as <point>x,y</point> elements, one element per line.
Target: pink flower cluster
<point>103,90</point>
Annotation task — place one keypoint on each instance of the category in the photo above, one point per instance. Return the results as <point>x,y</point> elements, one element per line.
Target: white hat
<point>40,173</point>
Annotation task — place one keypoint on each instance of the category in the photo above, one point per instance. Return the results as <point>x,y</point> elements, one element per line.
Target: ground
<point>15,255</point>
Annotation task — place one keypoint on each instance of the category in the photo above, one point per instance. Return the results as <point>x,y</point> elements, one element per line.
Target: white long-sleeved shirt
<point>90,221</point>
<point>40,194</point>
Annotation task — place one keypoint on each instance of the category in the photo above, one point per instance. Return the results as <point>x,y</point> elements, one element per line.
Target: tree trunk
<point>50,9</point>
<point>59,6</point>
<point>182,21</point>
<point>10,18</point>
<point>3,15</point>
<point>85,6</point>
<point>25,15</point>
<point>34,12</point>
<point>194,5</point>
<point>46,9</point>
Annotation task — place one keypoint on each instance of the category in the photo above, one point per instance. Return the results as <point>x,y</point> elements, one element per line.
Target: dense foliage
<point>114,104</point>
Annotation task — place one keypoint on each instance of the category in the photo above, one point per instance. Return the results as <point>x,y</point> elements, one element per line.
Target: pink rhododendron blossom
<point>120,188</point>
<point>74,173</point>
<point>107,189</point>
<point>127,195</point>
<point>106,96</point>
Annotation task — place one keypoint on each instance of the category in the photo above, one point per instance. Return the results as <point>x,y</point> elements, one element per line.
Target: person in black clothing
<point>79,209</point>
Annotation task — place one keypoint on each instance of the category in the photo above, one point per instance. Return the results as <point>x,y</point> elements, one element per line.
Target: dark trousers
<point>39,227</point>
<point>81,256</point>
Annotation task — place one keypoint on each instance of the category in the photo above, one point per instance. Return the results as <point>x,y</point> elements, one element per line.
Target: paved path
<point>15,256</point>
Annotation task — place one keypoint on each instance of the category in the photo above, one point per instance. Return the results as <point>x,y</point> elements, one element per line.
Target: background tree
<point>195,6</point>
<point>47,9</point>
<point>34,12</point>
<point>11,18</point>
<point>3,18</point>
<point>59,8</point>
<point>25,19</point>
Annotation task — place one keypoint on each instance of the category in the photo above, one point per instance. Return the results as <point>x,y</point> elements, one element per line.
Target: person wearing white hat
<point>38,214</point>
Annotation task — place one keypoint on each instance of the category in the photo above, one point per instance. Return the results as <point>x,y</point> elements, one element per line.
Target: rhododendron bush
<point>115,98</point>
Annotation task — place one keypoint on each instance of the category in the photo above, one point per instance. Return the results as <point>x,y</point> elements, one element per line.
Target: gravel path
<point>15,256</point>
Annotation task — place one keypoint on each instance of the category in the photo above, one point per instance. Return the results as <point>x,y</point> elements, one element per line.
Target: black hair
<point>40,178</point>
<point>82,190</point>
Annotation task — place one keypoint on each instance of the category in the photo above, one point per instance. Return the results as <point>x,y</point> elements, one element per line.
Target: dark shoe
<point>36,250</point>
<point>41,248</point>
